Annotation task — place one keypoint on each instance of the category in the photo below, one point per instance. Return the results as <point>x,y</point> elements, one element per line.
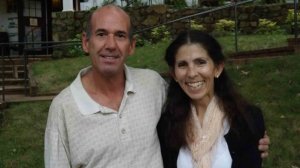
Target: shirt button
<point>123,131</point>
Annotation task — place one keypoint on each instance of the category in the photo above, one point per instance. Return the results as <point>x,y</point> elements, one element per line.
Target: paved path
<point>23,98</point>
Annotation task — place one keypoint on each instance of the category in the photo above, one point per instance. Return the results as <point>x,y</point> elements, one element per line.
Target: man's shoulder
<point>63,96</point>
<point>144,72</point>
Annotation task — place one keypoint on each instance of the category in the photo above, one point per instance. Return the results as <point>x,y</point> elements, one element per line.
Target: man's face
<point>109,43</point>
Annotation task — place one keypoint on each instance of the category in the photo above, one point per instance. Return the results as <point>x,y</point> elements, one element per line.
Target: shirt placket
<point>123,121</point>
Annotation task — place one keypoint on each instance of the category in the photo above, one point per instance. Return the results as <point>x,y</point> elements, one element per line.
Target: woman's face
<point>195,71</point>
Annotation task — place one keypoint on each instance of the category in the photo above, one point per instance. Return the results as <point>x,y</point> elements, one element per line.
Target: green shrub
<point>224,27</point>
<point>140,40</point>
<point>291,16</point>
<point>197,26</point>
<point>266,26</point>
<point>160,33</point>
<point>272,1</point>
<point>75,49</point>
<point>290,20</point>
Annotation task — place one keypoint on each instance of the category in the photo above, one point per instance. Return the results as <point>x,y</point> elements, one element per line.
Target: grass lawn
<point>50,78</point>
<point>22,135</point>
<point>273,84</point>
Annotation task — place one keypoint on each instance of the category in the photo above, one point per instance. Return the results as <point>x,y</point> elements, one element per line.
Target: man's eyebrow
<point>100,30</point>
<point>117,32</point>
<point>121,32</point>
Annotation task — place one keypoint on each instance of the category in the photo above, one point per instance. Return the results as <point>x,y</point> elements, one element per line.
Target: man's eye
<point>121,35</point>
<point>101,34</point>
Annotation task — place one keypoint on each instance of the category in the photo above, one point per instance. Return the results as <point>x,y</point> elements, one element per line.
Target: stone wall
<point>67,24</point>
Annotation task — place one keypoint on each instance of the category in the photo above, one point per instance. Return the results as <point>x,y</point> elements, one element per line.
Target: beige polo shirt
<point>83,133</point>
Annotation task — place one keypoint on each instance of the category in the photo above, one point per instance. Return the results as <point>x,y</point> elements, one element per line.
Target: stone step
<point>19,60</point>
<point>12,74</point>
<point>12,81</point>
<point>13,89</point>
<point>11,67</point>
<point>14,61</point>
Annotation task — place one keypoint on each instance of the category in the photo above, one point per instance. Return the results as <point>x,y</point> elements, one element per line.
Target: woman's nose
<point>191,72</point>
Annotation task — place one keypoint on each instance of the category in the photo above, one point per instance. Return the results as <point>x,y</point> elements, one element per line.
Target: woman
<point>206,123</point>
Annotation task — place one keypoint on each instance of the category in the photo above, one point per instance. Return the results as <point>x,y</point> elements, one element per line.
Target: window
<point>11,6</point>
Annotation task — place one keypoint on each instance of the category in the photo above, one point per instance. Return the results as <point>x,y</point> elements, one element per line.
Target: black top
<point>242,140</point>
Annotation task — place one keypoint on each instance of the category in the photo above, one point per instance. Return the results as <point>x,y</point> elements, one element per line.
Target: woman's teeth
<point>195,84</point>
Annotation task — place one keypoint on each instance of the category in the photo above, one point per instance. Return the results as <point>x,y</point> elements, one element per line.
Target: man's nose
<point>110,42</point>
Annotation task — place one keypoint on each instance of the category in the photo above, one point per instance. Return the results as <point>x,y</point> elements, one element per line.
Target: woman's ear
<point>172,74</point>
<point>219,69</point>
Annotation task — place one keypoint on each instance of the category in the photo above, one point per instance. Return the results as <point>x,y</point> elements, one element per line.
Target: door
<point>34,22</point>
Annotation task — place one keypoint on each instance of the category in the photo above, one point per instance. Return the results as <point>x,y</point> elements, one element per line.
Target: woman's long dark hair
<point>177,107</point>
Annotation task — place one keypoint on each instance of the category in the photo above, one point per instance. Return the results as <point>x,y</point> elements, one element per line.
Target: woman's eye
<point>200,62</point>
<point>181,64</point>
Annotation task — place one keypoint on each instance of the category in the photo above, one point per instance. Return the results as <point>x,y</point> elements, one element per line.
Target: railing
<point>25,55</point>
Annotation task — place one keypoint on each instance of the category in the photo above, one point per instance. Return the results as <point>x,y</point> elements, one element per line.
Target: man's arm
<point>263,146</point>
<point>55,151</point>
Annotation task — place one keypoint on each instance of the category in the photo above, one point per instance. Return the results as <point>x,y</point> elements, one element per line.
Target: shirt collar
<point>85,103</point>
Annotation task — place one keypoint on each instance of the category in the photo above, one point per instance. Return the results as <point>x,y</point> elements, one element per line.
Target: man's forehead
<point>112,11</point>
<point>110,18</point>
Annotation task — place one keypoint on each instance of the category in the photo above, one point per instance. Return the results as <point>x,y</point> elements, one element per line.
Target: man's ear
<point>132,45</point>
<point>85,42</point>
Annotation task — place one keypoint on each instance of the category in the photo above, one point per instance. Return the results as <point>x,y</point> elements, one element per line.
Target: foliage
<point>107,2</point>
<point>222,2</point>
<point>160,33</point>
<point>178,4</point>
<point>196,26</point>
<point>75,48</point>
<point>134,3</point>
<point>272,1</point>
<point>266,26</point>
<point>290,20</point>
<point>137,3</point>
<point>224,27</point>
<point>140,41</point>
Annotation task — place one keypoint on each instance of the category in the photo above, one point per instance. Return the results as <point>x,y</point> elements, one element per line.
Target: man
<point>107,117</point>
